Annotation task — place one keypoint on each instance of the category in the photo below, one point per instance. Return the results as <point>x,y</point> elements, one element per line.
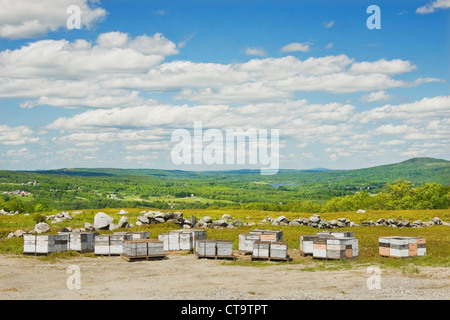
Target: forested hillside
<point>420,183</point>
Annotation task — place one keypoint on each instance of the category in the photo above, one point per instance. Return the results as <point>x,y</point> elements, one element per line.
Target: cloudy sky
<point>111,93</point>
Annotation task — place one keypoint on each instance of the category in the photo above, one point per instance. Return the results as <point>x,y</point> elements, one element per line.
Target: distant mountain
<point>416,170</point>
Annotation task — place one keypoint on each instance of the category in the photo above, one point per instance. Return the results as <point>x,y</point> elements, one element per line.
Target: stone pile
<point>314,221</point>
<point>395,223</point>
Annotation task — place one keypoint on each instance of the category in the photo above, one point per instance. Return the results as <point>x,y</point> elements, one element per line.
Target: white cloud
<point>431,6</point>
<point>392,67</point>
<point>252,51</point>
<point>329,46</point>
<point>29,18</point>
<point>329,24</point>
<point>20,153</point>
<point>16,135</point>
<point>376,96</point>
<point>296,46</point>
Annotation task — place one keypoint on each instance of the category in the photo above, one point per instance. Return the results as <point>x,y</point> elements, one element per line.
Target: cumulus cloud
<point>376,96</point>
<point>252,51</point>
<point>296,46</point>
<point>28,18</point>
<point>433,5</point>
<point>19,135</point>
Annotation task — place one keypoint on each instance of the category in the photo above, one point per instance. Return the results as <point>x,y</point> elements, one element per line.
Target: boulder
<point>361,211</point>
<point>193,220</point>
<point>102,221</point>
<point>281,221</point>
<point>157,220</point>
<point>178,214</point>
<point>405,223</point>
<point>124,212</point>
<point>42,227</point>
<point>237,223</point>
<point>220,223</point>
<point>315,218</point>
<point>65,229</point>
<point>10,235</point>
<point>437,221</point>
<point>334,223</point>
<point>89,227</point>
<point>168,215</point>
<point>226,216</point>
<point>112,226</point>
<point>149,214</point>
<point>144,219</point>
<point>206,219</point>
<point>123,222</point>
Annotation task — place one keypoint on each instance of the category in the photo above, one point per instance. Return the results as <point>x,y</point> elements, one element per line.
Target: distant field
<point>437,237</point>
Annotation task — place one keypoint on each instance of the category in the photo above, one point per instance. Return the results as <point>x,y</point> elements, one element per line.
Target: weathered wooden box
<point>268,235</point>
<point>45,244</point>
<point>261,249</point>
<point>111,244</point>
<point>143,248</point>
<point>246,241</point>
<point>81,241</point>
<point>402,247</point>
<point>206,247</point>
<point>136,235</point>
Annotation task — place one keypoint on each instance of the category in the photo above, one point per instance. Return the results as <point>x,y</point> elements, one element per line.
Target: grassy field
<point>437,237</point>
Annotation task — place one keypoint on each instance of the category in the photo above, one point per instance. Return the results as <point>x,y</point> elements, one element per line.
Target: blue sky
<point>111,93</point>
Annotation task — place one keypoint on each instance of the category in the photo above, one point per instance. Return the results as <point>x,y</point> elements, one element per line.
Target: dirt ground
<point>182,277</point>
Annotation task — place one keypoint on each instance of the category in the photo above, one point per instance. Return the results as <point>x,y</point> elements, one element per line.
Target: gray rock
<point>315,219</point>
<point>295,222</point>
<point>226,216</point>
<point>178,214</point>
<point>122,212</point>
<point>102,221</point>
<point>138,223</point>
<point>89,227</point>
<point>168,215</point>
<point>437,221</point>
<point>149,214</point>
<point>193,220</point>
<point>352,224</point>
<point>42,227</point>
<point>405,223</point>
<point>380,221</point>
<point>281,221</point>
<point>112,226</point>
<point>220,223</point>
<point>157,220</point>
<point>65,229</point>
<point>237,223</point>
<point>144,219</point>
<point>334,222</point>
<point>206,219</point>
<point>361,211</point>
<point>341,224</point>
<point>250,223</point>
<point>123,222</point>
<point>10,235</point>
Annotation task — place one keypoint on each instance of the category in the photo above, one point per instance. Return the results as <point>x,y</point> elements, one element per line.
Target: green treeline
<point>397,196</point>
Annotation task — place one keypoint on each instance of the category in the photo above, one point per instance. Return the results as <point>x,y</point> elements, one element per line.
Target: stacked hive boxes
<point>184,239</point>
<point>270,249</point>
<point>136,235</point>
<point>143,248</point>
<point>214,248</point>
<point>402,246</point>
<point>111,244</point>
<point>45,244</point>
<point>81,241</point>
<point>247,240</point>
<point>330,245</point>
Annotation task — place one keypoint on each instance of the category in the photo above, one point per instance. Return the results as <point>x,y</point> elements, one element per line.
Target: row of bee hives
<point>262,244</point>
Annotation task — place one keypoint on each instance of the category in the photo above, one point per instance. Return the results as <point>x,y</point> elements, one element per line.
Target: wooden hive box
<point>206,247</point>
<point>246,241</point>
<point>164,237</point>
<point>186,241</point>
<point>261,249</point>
<point>45,244</point>
<point>279,249</point>
<point>82,241</point>
<point>401,247</point>
<point>224,248</point>
<point>135,235</point>
<point>307,244</point>
<point>268,235</point>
